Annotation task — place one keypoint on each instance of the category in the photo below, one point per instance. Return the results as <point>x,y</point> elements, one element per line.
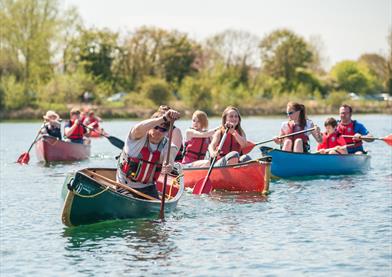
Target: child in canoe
<point>74,130</point>
<point>297,122</point>
<point>197,138</point>
<point>333,142</point>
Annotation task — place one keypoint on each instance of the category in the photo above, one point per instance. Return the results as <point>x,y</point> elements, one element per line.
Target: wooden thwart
<point>117,184</point>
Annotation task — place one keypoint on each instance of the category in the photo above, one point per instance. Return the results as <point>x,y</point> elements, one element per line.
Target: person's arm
<point>192,133</point>
<point>69,130</point>
<point>316,133</point>
<point>214,144</point>
<point>140,129</point>
<point>167,168</point>
<point>282,132</point>
<point>362,131</point>
<point>240,139</point>
<point>177,138</point>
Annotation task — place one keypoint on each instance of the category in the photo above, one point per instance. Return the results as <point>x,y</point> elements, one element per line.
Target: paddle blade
<point>388,139</point>
<point>116,142</point>
<point>248,147</point>
<point>24,158</point>
<point>202,186</point>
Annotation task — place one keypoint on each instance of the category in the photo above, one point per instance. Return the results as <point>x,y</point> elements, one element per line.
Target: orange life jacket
<point>349,130</point>
<point>78,132</point>
<point>195,149</point>
<point>330,141</point>
<point>229,145</point>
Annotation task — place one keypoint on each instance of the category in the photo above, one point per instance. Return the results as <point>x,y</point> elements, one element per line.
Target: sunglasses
<point>160,129</point>
<point>290,113</point>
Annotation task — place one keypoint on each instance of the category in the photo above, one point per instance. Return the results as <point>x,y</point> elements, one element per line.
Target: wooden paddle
<point>162,211</point>
<point>251,145</point>
<point>113,140</point>
<point>25,157</point>
<point>204,185</point>
<point>387,139</point>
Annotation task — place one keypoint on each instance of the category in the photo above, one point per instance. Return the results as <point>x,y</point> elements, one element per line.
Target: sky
<point>347,28</point>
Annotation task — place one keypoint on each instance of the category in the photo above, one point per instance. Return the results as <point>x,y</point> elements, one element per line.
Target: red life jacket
<point>348,130</point>
<point>330,141</point>
<point>195,149</point>
<point>78,132</point>
<point>146,164</point>
<point>94,120</point>
<point>229,145</point>
<point>293,127</point>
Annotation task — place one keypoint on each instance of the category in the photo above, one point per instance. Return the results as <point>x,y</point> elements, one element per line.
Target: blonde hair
<point>202,118</point>
<point>238,128</point>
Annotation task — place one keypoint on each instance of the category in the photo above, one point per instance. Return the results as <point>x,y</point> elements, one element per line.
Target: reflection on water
<point>238,197</point>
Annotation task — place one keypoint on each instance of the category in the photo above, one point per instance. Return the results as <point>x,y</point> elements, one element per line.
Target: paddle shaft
<point>113,140</point>
<point>162,211</point>
<point>289,135</point>
<point>35,140</point>
<point>364,137</point>
<point>334,148</point>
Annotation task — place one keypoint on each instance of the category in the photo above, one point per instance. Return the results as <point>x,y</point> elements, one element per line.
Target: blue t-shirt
<point>359,128</point>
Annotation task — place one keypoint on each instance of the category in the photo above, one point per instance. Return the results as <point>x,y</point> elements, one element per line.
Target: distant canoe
<point>90,195</point>
<point>289,164</point>
<point>251,176</point>
<point>50,149</point>
<point>96,133</point>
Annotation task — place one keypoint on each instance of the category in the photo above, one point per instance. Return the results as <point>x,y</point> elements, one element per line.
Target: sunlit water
<point>340,225</point>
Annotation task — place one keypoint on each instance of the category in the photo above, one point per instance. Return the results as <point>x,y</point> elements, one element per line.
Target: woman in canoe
<point>197,138</point>
<point>52,125</point>
<point>297,122</point>
<point>176,136</point>
<point>92,121</point>
<point>141,160</point>
<point>333,142</point>
<point>74,130</point>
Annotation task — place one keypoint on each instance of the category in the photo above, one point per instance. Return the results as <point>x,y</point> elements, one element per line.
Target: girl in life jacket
<point>197,138</point>
<point>145,148</point>
<point>176,136</point>
<point>74,130</point>
<point>297,122</point>
<point>235,140</point>
<point>333,142</point>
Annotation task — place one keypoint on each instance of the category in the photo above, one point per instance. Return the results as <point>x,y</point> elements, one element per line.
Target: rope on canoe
<point>90,196</point>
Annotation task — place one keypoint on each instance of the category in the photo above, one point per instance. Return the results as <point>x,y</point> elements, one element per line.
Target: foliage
<point>355,77</point>
<point>282,53</point>
<point>196,93</point>
<point>337,98</point>
<point>157,90</point>
<point>15,96</point>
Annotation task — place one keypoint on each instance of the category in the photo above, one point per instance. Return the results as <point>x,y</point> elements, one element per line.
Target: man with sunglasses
<point>349,127</point>
<point>142,159</point>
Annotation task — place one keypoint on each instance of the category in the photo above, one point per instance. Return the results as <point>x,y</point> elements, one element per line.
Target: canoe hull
<point>50,149</point>
<point>252,176</point>
<point>289,164</point>
<point>87,201</point>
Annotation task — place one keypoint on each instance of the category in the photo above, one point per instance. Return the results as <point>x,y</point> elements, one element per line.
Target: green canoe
<point>90,195</point>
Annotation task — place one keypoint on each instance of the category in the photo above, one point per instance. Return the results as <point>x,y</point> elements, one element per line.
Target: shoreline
<point>142,113</point>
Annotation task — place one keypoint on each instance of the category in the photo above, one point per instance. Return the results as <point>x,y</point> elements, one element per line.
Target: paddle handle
<point>222,142</point>
<point>162,211</point>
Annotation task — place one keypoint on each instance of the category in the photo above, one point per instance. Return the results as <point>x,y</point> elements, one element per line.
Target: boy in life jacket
<point>74,130</point>
<point>349,127</point>
<point>142,159</point>
<point>332,139</point>
<point>298,121</point>
<point>52,125</point>
<point>197,138</point>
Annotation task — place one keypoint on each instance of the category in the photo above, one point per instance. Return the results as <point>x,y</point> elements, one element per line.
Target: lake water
<point>340,225</point>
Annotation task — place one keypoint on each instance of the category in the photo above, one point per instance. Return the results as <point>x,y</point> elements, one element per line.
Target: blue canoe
<point>289,164</point>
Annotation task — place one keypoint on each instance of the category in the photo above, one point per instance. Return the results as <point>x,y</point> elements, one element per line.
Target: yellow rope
<point>90,196</point>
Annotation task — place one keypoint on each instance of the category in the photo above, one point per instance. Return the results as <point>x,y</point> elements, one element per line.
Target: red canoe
<point>50,149</point>
<point>96,133</point>
<point>251,176</point>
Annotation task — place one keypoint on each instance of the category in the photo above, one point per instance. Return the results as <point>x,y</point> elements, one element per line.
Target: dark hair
<point>348,107</point>
<point>330,121</point>
<point>302,115</point>
<point>159,114</point>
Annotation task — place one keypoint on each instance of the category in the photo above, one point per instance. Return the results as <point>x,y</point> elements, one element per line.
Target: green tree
<point>156,90</point>
<point>388,79</point>
<point>352,76</point>
<point>282,53</point>
<point>28,29</point>
<point>196,93</point>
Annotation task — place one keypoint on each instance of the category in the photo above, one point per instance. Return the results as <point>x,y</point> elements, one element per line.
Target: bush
<point>157,90</point>
<point>337,98</point>
<point>14,94</point>
<point>196,93</point>
<point>135,99</point>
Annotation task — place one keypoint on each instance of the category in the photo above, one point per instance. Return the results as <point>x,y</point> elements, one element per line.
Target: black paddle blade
<point>116,142</point>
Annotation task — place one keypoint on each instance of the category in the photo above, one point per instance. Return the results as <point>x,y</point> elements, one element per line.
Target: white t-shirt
<point>132,148</point>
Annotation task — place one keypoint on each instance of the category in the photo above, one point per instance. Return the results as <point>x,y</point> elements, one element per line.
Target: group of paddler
<point>147,143</point>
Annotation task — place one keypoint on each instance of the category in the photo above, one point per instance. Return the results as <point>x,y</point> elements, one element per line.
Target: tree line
<point>49,58</point>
